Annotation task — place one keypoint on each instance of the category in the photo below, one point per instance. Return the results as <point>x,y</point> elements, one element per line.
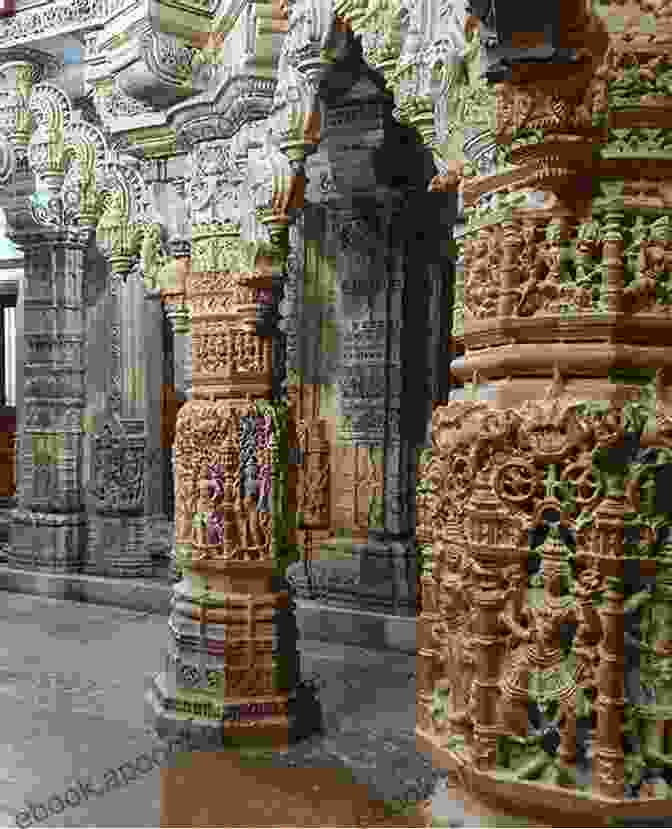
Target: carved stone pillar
<point>150,350</point>
<point>370,291</point>
<point>117,488</point>
<point>566,254</point>
<point>49,524</point>
<point>233,661</point>
<point>177,314</point>
<point>119,474</point>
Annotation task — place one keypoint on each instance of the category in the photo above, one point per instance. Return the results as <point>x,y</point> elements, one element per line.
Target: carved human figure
<point>516,616</point>
<point>537,671</point>
<point>458,658</point>
<point>251,534</point>
<point>452,608</point>
<point>203,507</point>
<point>589,630</point>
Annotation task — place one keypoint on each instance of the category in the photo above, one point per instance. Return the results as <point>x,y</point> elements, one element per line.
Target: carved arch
<point>48,101</point>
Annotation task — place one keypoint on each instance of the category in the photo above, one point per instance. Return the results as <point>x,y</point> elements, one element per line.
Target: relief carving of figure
<point>454,635</point>
<point>537,671</point>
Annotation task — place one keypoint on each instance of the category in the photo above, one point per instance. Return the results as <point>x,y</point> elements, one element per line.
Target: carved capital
<point>126,215</point>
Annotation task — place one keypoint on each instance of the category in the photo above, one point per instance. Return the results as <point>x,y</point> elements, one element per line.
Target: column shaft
<point>49,525</point>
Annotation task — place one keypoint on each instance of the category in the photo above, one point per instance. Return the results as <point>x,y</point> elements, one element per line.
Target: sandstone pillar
<point>233,663</point>
<point>566,317</point>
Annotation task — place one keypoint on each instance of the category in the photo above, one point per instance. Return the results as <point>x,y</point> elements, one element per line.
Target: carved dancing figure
<point>537,671</point>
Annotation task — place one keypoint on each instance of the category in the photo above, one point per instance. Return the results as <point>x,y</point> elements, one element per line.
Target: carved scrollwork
<point>46,101</point>
<point>84,177</point>
<point>587,486</point>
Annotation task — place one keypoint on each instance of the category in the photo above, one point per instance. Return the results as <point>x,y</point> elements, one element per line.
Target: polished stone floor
<point>72,680</point>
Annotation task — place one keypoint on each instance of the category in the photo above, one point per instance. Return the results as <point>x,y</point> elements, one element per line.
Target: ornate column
<point>117,488</point>
<point>233,662</point>
<point>173,294</point>
<point>49,524</point>
<point>369,242</point>
<point>566,319</point>
<point>372,317</point>
<point>53,227</point>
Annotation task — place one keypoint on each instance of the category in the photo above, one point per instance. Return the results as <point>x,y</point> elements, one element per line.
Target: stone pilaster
<point>117,488</point>
<point>181,349</point>
<point>151,358</point>
<point>370,383</point>
<point>49,524</point>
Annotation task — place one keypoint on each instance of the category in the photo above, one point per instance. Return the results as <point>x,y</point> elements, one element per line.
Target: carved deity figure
<point>656,662</point>
<point>589,631</point>
<point>454,631</point>
<point>537,670</point>
<point>251,534</point>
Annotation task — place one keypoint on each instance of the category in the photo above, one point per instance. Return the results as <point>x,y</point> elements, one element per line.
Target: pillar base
<point>116,547</point>
<point>273,721</point>
<point>42,540</point>
<point>379,577</point>
<point>490,795</point>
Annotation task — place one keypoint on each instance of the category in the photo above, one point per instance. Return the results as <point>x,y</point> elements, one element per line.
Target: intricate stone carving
<point>29,24</point>
<point>214,184</point>
<point>111,103</point>
<point>117,481</point>
<point>310,28</point>
<point>126,215</point>
<point>152,254</point>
